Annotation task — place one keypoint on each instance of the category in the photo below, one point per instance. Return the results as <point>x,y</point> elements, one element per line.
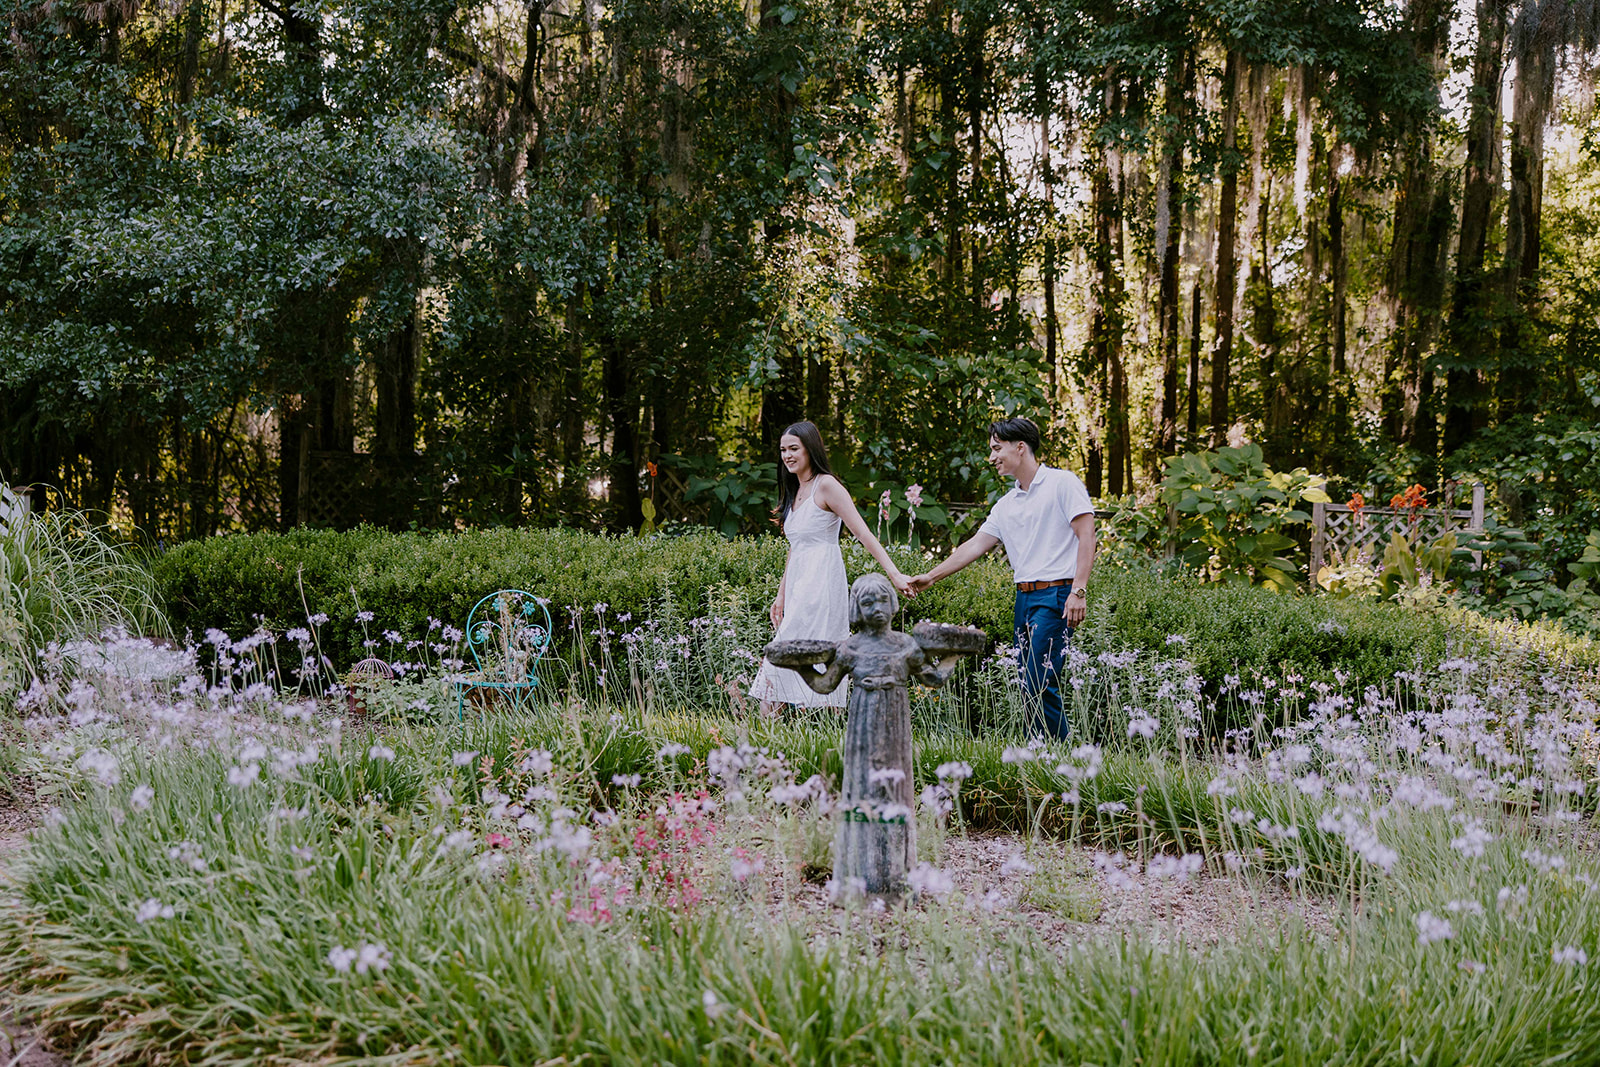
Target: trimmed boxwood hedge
<point>233,583</point>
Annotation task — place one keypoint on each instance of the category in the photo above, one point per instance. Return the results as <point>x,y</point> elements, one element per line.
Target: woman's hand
<point>902,584</point>
<point>775,612</point>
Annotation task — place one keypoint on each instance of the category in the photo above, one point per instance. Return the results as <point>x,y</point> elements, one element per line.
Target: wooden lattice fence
<point>340,489</point>
<point>1339,528</point>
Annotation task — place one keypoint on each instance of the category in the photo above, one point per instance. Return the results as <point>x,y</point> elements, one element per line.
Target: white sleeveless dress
<point>816,604</point>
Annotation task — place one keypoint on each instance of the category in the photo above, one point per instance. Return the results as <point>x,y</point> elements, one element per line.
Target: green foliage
<point>1348,574</point>
<point>740,495</point>
<point>1407,565</point>
<point>233,583</point>
<point>1240,629</point>
<point>1587,568</point>
<point>1233,513</point>
<point>1546,474</point>
<point>1517,580</point>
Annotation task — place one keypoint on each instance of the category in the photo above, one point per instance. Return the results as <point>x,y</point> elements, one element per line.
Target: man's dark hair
<point>1017,429</point>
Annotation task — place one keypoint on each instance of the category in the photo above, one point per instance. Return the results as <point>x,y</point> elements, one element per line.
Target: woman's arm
<point>832,496</point>
<point>775,611</point>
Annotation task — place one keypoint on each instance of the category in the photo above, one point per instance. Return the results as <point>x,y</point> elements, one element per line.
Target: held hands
<point>902,584</point>
<point>918,584</point>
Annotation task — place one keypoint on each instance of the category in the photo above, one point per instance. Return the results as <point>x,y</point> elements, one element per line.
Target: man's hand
<point>1077,607</point>
<point>919,583</point>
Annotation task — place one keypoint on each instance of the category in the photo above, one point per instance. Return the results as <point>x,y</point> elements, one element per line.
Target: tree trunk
<point>1121,457</point>
<point>1041,97</point>
<point>1470,314</point>
<point>1168,234</point>
<point>1530,111</point>
<point>574,413</point>
<point>1417,263</point>
<point>1267,332</point>
<point>1337,313</point>
<point>1192,424</point>
<point>1417,270</point>
<point>1107,447</point>
<point>395,417</point>
<point>1530,104</point>
<point>622,406</point>
<point>1227,269</point>
<point>292,434</point>
<point>978,79</point>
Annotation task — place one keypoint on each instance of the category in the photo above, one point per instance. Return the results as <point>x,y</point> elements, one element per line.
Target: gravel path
<point>1064,899</point>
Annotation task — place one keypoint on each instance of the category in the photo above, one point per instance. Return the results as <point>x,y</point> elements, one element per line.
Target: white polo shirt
<point>1035,525</point>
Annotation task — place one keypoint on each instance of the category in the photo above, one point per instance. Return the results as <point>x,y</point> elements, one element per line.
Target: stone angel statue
<point>875,842</point>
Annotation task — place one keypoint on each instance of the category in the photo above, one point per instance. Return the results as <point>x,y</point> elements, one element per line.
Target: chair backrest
<point>508,632</point>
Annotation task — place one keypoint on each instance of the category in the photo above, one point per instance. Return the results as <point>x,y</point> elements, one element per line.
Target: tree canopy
<point>275,262</point>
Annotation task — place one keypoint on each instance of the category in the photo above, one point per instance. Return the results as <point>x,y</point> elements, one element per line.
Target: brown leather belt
<point>1028,587</point>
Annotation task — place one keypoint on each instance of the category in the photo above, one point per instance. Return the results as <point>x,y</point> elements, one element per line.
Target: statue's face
<point>793,454</point>
<point>877,606</point>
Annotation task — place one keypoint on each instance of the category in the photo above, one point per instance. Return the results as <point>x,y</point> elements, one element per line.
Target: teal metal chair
<point>508,632</point>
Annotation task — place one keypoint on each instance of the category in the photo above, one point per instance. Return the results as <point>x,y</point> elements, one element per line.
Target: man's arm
<point>1077,606</point>
<point>969,550</point>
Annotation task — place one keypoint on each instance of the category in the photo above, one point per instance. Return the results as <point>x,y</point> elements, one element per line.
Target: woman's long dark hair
<point>788,484</point>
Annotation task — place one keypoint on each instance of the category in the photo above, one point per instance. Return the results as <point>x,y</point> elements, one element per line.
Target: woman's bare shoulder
<point>828,485</point>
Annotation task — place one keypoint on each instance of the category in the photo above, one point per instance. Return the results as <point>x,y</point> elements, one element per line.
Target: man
<point>1047,526</point>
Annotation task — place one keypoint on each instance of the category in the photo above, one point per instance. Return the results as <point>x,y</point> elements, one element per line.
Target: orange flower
<point>651,467</point>
<point>1357,502</point>
<point>1412,499</point>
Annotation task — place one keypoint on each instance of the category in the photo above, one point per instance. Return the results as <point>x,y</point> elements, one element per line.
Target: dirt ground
<point>1065,900</point>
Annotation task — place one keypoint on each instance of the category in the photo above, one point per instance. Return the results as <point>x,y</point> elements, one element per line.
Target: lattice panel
<point>1372,527</point>
<point>1336,529</point>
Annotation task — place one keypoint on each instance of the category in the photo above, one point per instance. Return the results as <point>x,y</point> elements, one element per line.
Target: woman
<point>813,599</point>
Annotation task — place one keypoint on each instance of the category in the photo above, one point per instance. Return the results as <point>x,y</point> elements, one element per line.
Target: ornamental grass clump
<point>62,578</point>
<point>238,869</point>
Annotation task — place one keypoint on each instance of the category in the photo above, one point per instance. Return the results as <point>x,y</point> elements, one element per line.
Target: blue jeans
<point>1042,636</point>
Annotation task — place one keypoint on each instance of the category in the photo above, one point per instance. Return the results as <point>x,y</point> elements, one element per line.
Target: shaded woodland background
<point>265,263</point>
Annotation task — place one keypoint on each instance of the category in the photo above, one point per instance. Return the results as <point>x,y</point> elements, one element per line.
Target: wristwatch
<point>1082,593</point>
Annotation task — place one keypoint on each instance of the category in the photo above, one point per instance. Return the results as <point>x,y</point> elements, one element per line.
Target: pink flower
<point>914,496</point>
<point>883,506</point>
<point>499,841</point>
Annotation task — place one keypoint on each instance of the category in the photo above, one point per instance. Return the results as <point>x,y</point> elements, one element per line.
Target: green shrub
<point>1234,511</point>
<point>1239,629</point>
<point>234,583</point>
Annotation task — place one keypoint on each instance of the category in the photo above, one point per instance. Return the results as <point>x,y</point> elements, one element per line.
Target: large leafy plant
<point>1233,512</point>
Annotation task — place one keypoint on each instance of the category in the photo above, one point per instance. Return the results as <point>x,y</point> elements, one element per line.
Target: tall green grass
<point>60,578</point>
<point>485,970</point>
